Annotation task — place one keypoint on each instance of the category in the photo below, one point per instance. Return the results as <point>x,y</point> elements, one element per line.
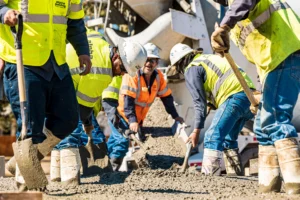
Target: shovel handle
<point>17,33</point>
<point>241,79</point>
<point>186,158</point>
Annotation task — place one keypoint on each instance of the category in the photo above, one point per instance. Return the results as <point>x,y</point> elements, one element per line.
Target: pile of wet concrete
<point>157,178</point>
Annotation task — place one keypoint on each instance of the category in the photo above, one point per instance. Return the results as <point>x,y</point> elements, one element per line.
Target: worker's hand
<point>2,65</point>
<point>134,127</point>
<point>85,64</point>
<point>220,41</point>
<point>10,17</point>
<point>194,137</point>
<point>179,119</point>
<point>257,96</point>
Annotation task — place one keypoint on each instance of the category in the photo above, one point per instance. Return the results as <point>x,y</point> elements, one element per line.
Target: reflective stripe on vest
<point>2,2</point>
<point>76,7</point>
<point>94,70</point>
<point>94,36</point>
<point>143,104</point>
<point>112,89</point>
<point>222,77</point>
<point>262,18</point>
<point>163,91</point>
<point>126,87</point>
<point>87,98</point>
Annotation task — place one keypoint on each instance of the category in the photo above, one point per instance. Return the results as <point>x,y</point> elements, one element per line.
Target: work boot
<point>116,163</point>
<point>70,166</point>
<point>288,153</point>
<point>268,170</point>
<point>233,162</point>
<point>44,149</point>
<point>55,166</point>
<point>211,164</point>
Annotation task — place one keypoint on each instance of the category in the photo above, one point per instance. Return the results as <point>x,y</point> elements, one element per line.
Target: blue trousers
<point>227,123</point>
<point>280,93</point>
<point>79,138</point>
<point>52,103</point>
<point>117,144</point>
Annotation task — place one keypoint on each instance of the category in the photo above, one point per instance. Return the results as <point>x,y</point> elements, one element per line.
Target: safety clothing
<point>55,166</point>
<point>70,166</point>
<point>136,87</point>
<point>220,39</point>
<point>152,50</point>
<point>288,152</point>
<point>268,170</point>
<point>221,82</point>
<point>269,35</point>
<point>45,30</point>
<point>233,162</point>
<point>211,164</point>
<point>112,91</point>
<point>133,55</point>
<point>89,87</point>
<point>179,51</point>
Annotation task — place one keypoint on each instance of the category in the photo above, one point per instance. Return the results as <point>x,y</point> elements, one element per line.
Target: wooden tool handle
<point>241,79</point>
<point>186,158</point>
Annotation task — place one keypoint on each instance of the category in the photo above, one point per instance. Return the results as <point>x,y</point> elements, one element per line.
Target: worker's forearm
<point>238,10</point>
<point>129,109</point>
<point>3,10</point>
<point>168,102</point>
<point>76,35</point>
<point>110,108</point>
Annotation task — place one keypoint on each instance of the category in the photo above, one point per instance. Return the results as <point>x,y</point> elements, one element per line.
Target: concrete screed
<point>159,178</point>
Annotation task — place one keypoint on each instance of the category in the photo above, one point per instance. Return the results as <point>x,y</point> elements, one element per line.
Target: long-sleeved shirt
<point>129,102</point>
<point>195,78</point>
<point>76,35</point>
<point>238,11</point>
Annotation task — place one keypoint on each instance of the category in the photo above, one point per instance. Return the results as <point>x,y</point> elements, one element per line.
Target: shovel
<point>186,158</point>
<point>25,152</point>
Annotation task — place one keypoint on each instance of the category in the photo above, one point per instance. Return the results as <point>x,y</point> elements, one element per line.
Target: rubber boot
<point>55,166</point>
<point>44,149</point>
<point>288,153</point>
<point>20,180</point>
<point>269,179</point>
<point>70,166</point>
<point>233,162</point>
<point>116,163</point>
<point>211,164</point>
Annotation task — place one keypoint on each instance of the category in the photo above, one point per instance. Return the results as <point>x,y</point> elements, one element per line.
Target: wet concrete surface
<point>159,178</point>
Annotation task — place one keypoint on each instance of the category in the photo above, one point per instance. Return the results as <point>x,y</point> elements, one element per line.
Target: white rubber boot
<point>211,164</point>
<point>288,152</point>
<point>70,166</point>
<point>233,162</point>
<point>20,180</point>
<point>55,166</point>
<point>268,170</point>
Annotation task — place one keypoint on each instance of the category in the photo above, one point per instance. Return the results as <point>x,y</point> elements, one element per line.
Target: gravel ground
<point>159,178</point>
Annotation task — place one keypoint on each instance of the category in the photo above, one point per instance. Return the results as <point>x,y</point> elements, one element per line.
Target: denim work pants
<point>52,103</point>
<point>79,138</point>
<point>280,93</point>
<point>117,144</point>
<point>227,123</point>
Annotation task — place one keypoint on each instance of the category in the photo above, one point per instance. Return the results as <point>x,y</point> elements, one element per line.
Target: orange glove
<point>220,41</point>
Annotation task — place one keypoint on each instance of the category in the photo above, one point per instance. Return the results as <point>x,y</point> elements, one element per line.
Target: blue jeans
<point>280,93</point>
<point>79,138</point>
<point>117,144</point>
<point>52,103</point>
<point>227,123</point>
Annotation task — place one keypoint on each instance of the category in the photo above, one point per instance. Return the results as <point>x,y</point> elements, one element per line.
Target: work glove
<point>257,96</point>
<point>220,41</point>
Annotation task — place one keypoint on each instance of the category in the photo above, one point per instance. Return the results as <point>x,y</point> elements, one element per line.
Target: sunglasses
<point>151,60</point>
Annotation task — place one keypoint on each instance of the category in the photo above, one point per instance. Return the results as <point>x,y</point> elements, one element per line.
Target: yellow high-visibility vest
<point>45,30</point>
<point>269,35</point>
<point>221,81</point>
<point>90,87</point>
<point>112,91</point>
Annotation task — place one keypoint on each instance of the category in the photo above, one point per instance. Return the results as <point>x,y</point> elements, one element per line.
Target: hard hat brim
<point>183,55</point>
<point>152,56</point>
<point>120,45</point>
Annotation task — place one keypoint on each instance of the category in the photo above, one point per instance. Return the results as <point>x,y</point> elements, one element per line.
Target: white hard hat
<point>133,55</point>
<point>152,50</point>
<point>179,51</point>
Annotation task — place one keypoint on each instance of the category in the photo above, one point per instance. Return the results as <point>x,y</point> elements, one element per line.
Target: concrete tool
<point>186,158</point>
<point>25,151</point>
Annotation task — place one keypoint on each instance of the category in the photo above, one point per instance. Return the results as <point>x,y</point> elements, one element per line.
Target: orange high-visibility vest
<point>136,87</point>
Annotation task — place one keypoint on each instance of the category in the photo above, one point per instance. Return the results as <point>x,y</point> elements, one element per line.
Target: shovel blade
<point>99,165</point>
<point>26,155</point>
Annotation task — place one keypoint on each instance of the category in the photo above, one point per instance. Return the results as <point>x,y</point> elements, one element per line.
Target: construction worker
<point>268,34</point>
<point>136,96</point>
<point>50,93</point>
<point>209,77</point>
